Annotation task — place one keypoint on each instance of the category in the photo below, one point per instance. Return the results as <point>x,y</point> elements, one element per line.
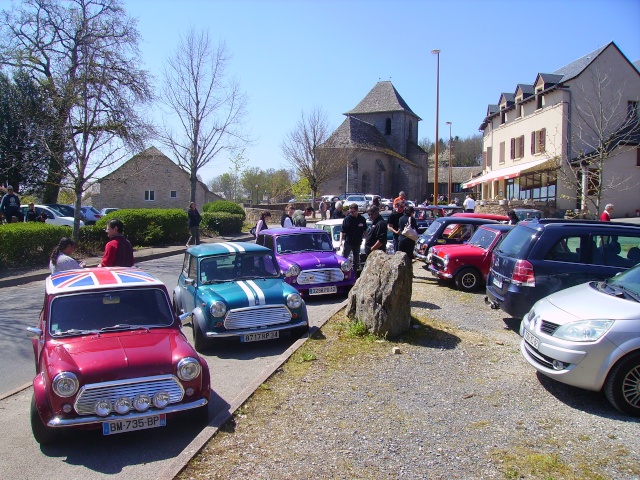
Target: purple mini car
<point>308,261</point>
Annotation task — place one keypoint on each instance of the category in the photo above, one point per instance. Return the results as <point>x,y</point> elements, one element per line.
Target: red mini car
<point>467,264</point>
<point>110,354</point>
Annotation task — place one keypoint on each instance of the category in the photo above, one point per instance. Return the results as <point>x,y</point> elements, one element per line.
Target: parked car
<point>236,290</point>
<point>490,216</point>
<point>426,215</point>
<point>343,196</point>
<point>54,216</point>
<point>468,264</point>
<point>447,230</point>
<point>359,200</point>
<point>334,228</point>
<point>107,210</point>
<point>110,354</point>
<point>386,204</point>
<point>65,210</point>
<point>540,257</point>
<point>308,261</point>
<point>91,215</point>
<point>527,213</point>
<point>588,336</point>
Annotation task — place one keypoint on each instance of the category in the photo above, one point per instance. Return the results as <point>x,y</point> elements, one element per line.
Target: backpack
<point>253,230</point>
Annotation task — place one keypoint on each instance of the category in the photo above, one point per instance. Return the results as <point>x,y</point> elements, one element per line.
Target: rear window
<point>517,242</point>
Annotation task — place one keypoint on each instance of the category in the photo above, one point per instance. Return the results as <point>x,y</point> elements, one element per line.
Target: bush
<point>222,223</point>
<point>144,227</point>
<point>224,206</point>
<point>29,243</point>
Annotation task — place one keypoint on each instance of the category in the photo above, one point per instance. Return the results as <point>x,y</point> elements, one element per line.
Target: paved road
<point>88,455</point>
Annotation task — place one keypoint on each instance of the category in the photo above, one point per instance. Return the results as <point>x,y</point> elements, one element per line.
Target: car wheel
<point>44,435</point>
<point>200,342</point>
<point>622,387</point>
<point>467,279</point>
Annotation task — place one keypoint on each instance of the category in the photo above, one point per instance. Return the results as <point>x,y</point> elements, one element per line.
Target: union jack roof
<point>94,278</point>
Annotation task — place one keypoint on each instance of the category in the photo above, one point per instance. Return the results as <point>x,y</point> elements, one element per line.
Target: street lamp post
<point>257,194</point>
<point>450,169</point>
<point>435,170</point>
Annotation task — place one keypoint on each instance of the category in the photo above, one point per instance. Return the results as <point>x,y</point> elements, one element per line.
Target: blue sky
<point>291,56</point>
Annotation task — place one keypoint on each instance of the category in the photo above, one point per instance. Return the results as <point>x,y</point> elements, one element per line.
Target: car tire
<point>44,435</point>
<point>622,386</point>
<point>200,342</point>
<point>467,279</point>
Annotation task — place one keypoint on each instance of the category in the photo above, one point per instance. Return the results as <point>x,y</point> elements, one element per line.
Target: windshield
<point>356,198</point>
<point>518,240</point>
<point>65,210</point>
<point>629,279</point>
<point>433,229</point>
<point>93,312</point>
<point>483,238</point>
<point>307,242</point>
<point>225,268</point>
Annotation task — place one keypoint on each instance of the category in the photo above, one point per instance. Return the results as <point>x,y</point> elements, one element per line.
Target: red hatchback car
<point>110,355</point>
<point>467,264</point>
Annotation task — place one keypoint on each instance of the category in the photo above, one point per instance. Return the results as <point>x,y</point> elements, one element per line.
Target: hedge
<point>30,243</point>
<point>224,206</point>
<point>146,227</point>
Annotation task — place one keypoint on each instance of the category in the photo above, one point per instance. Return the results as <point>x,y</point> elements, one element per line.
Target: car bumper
<point>439,273</point>
<point>96,420</point>
<point>247,331</point>
<point>514,302</point>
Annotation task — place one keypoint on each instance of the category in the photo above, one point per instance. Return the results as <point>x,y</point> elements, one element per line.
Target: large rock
<point>381,298</point>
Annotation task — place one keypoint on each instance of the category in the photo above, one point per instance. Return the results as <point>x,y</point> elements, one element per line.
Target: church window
<point>387,127</point>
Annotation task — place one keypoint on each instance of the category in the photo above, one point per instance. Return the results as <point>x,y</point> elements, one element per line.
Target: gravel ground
<point>459,401</point>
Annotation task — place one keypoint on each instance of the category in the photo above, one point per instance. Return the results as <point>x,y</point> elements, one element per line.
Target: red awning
<point>512,171</point>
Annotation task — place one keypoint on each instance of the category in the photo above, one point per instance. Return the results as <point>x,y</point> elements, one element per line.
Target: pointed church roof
<point>383,97</point>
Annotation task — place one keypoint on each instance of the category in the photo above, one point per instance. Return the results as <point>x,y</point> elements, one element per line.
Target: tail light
<point>523,274</point>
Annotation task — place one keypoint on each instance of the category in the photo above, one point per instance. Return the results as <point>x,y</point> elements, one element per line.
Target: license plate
<point>323,290</point>
<point>132,424</point>
<point>497,282</point>
<point>258,337</point>
<point>531,339</point>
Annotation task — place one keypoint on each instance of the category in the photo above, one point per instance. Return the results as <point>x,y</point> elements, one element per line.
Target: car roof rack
<point>577,221</point>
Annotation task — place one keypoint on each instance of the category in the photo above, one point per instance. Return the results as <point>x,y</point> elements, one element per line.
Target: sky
<point>293,56</point>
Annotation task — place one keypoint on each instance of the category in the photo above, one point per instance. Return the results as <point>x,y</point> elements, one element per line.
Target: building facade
<point>148,180</point>
<point>377,148</point>
<point>539,141</point>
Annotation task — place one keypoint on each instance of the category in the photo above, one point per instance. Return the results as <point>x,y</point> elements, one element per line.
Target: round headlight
<point>161,399</point>
<point>218,309</point>
<point>293,271</point>
<point>122,405</point>
<point>65,384</point>
<point>345,266</point>
<point>446,259</point>
<point>188,369</point>
<point>102,407</point>
<point>142,402</point>
<point>294,300</point>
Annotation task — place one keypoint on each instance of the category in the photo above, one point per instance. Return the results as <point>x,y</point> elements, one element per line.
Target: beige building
<point>541,142</point>
<point>148,180</point>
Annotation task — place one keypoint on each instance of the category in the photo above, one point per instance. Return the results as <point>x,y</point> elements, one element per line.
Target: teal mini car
<point>236,289</point>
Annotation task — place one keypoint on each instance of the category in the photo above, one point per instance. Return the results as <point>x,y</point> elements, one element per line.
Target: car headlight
<point>292,271</point>
<point>346,266</point>
<point>294,300</point>
<point>188,369</point>
<point>218,309</point>
<point>65,384</point>
<point>445,259</point>
<point>583,330</point>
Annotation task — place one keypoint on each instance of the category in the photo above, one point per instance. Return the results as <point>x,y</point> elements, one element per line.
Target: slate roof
<point>358,134</point>
<point>383,97</point>
<point>458,174</point>
<point>527,90</point>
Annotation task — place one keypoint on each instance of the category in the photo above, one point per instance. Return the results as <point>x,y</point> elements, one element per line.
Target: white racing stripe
<point>228,247</point>
<point>237,246</point>
<point>250,296</point>
<point>258,291</point>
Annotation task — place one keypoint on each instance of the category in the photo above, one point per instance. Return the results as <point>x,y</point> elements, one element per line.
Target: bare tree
<point>209,107</point>
<point>302,149</point>
<point>84,53</point>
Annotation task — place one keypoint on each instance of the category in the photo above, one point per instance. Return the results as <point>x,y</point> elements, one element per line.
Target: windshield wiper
<point>622,290</point>
<point>123,326</point>
<point>74,331</point>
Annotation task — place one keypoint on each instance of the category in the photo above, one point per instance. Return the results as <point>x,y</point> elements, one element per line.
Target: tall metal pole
<point>435,173</point>
<point>450,169</point>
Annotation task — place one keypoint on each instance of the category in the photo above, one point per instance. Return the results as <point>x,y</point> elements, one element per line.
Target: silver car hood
<point>585,302</point>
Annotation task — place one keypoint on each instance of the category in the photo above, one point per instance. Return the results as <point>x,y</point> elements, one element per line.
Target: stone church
<point>378,142</point>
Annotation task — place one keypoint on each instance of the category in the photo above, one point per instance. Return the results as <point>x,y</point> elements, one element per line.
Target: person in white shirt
<point>469,204</point>
<point>61,256</point>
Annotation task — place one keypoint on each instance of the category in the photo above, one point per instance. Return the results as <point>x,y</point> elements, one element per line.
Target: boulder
<point>381,297</point>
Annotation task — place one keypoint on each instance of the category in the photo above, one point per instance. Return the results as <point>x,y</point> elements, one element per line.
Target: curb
<point>184,457</point>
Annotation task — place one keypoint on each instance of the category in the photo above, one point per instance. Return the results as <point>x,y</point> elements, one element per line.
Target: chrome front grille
<point>548,327</point>
<point>437,262</point>
<point>328,275</point>
<point>130,388</point>
<point>256,317</point>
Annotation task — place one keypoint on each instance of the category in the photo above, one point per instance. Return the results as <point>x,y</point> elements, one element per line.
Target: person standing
<point>513,217</point>
<point>405,244</point>
<point>262,223</point>
<point>376,237</point>
<point>338,212</point>
<point>10,206</point>
<point>605,216</point>
<point>31,215</point>
<point>400,198</point>
<point>394,223</point>
<point>118,252</point>
<point>194,224</point>
<point>285,220</point>
<point>61,259</point>
<point>354,227</point>
<point>323,209</point>
<point>469,204</point>
<point>332,207</point>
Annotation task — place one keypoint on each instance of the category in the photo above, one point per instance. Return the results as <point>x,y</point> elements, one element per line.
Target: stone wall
<point>501,207</point>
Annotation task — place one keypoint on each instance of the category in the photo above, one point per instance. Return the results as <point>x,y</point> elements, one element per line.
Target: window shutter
<point>513,148</point>
<point>521,152</point>
<point>489,155</point>
<point>533,143</point>
<point>484,160</point>
<point>543,140</point>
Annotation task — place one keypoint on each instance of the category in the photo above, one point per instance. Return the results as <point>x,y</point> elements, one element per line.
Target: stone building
<point>148,180</point>
<point>378,142</point>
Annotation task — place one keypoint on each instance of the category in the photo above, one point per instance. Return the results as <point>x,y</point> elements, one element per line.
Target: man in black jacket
<point>354,227</point>
<point>377,234</point>
<point>394,223</point>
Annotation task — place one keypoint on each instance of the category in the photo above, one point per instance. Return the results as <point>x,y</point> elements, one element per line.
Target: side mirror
<point>34,332</point>
<point>189,281</point>
<point>186,318</point>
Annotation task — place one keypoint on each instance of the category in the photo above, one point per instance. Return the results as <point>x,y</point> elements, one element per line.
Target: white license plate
<point>323,290</point>
<point>258,337</point>
<point>132,424</point>
<point>531,339</point>
<point>497,282</point>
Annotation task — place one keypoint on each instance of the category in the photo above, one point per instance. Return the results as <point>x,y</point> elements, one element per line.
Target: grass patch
<point>356,328</point>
